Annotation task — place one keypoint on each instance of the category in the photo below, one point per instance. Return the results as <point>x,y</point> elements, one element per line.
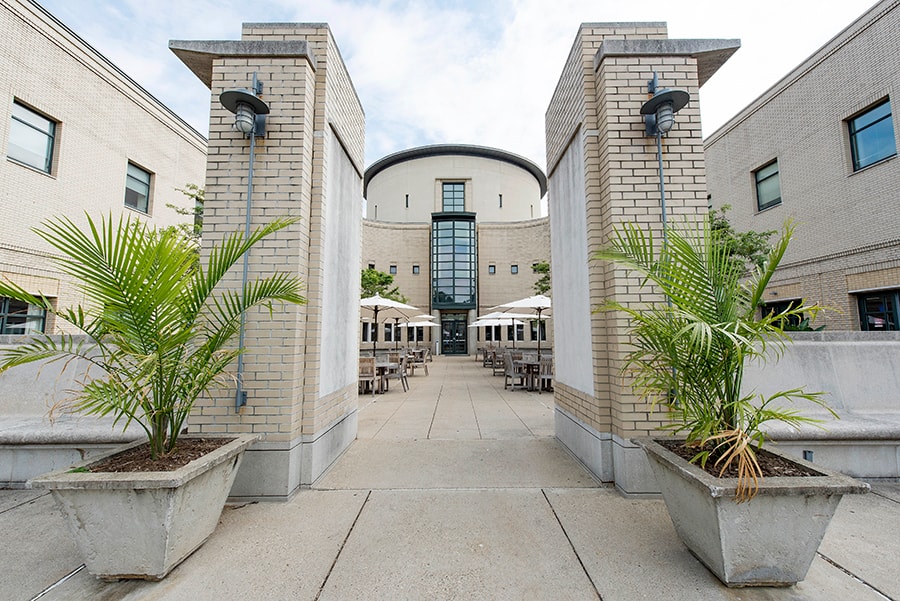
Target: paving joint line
<point>58,583</point>
<point>572,545</point>
<point>25,502</point>
<point>854,576</point>
<point>343,544</point>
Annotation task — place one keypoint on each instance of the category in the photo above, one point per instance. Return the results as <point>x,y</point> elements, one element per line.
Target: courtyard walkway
<point>454,490</point>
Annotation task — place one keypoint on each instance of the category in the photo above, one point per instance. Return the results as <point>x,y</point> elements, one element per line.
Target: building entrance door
<point>453,334</point>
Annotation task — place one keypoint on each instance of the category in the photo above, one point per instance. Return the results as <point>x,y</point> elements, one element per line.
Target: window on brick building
<point>137,188</point>
<point>768,186</point>
<point>32,137</point>
<point>492,269</point>
<point>415,270</point>
<point>393,269</point>
<point>17,317</point>
<point>538,328</point>
<point>368,331</point>
<point>878,310</point>
<point>783,305</point>
<point>514,269</point>
<point>872,135</point>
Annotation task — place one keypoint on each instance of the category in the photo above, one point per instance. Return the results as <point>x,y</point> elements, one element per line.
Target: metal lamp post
<point>249,119</point>
<point>659,117</point>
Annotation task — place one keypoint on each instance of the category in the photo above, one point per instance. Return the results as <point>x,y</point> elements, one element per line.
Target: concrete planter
<point>770,540</point>
<point>143,524</point>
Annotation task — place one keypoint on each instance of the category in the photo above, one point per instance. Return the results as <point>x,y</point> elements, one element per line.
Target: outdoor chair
<point>400,372</point>
<point>367,375</point>
<point>545,374</point>
<point>418,360</point>
<point>498,363</point>
<point>515,376</point>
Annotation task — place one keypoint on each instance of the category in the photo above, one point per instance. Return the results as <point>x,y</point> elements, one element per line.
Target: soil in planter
<point>771,465</point>
<point>137,459</point>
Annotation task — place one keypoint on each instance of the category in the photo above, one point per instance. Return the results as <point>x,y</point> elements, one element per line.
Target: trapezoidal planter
<point>143,524</point>
<point>770,540</point>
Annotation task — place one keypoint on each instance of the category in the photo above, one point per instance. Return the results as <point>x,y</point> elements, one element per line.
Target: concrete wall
<point>104,120</point>
<point>847,223</point>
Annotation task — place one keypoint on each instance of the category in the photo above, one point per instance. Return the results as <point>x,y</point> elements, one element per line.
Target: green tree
<point>374,282</point>
<point>542,285</point>
<point>192,229</point>
<point>747,249</point>
<point>156,323</point>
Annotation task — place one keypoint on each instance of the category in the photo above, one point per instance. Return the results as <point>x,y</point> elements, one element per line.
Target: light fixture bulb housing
<point>244,118</point>
<point>661,108</point>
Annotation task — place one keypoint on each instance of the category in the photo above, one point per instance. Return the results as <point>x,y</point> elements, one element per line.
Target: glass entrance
<point>453,334</point>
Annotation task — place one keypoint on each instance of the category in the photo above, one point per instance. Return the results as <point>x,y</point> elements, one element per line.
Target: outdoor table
<point>532,369</point>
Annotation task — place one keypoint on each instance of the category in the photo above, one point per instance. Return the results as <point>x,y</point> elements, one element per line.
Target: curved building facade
<point>459,228</point>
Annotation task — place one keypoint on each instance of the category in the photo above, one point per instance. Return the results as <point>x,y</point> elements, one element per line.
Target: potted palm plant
<point>158,333</point>
<point>688,357</point>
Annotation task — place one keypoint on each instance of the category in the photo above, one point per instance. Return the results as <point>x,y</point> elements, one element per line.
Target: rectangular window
<point>371,265</point>
<point>537,324</point>
<point>872,136</point>
<point>20,318</point>
<point>514,269</point>
<point>454,197</point>
<point>393,269</point>
<point>793,321</point>
<point>878,311</point>
<point>520,332</point>
<point>388,332</point>
<point>137,189</point>
<point>367,330</point>
<point>768,186</point>
<point>492,269</point>
<point>415,270</point>
<point>31,138</point>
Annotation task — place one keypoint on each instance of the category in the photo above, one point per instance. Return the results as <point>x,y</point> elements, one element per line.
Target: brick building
<point>482,202</point>
<point>78,135</point>
<point>820,147</point>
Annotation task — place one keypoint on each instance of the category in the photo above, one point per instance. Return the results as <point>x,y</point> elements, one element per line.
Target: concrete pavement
<point>453,490</point>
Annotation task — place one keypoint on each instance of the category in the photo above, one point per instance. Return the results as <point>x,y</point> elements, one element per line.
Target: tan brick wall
<point>847,223</point>
<point>309,104</point>
<point>104,121</point>
<point>601,110</point>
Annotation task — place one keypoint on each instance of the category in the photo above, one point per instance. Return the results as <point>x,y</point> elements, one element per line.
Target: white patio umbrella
<point>535,306</point>
<point>387,308</point>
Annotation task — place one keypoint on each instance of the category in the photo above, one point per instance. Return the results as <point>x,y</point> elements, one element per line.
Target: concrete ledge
<point>31,446</point>
<point>590,447</point>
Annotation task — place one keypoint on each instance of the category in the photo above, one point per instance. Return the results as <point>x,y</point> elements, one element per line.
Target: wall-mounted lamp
<point>249,119</point>
<point>659,111</point>
<point>249,110</point>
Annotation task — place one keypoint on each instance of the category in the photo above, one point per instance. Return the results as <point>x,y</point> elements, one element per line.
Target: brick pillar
<point>604,171</point>
<point>301,389</point>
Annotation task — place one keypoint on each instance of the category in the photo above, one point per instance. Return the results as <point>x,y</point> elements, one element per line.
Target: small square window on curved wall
<point>872,135</point>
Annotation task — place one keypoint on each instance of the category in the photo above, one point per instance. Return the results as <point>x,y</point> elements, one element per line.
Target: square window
<point>768,186</point>
<point>393,269</point>
<point>137,188</point>
<point>371,265</point>
<point>31,138</point>
<point>17,317</point>
<point>415,270</point>
<point>514,269</point>
<point>872,136</point>
<point>492,269</point>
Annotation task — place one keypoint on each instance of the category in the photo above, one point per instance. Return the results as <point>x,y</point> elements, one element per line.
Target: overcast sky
<point>457,71</point>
